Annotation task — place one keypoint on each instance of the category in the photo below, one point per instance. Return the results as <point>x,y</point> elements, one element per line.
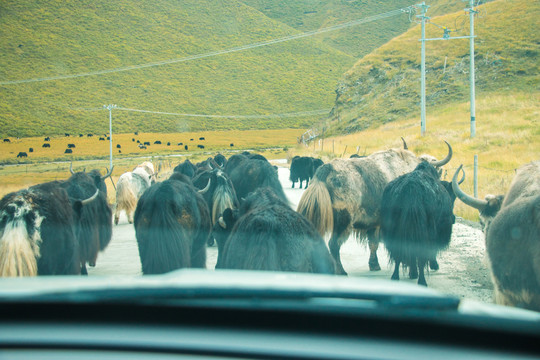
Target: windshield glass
<point>139,138</point>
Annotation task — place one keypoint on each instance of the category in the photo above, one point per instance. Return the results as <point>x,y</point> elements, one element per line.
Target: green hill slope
<point>55,38</point>
<point>385,85</point>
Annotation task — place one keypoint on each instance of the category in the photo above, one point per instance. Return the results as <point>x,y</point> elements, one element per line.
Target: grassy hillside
<point>358,41</point>
<point>40,39</point>
<point>385,85</point>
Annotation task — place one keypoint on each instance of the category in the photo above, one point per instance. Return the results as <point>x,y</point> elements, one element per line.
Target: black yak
<point>38,231</point>
<point>512,228</point>
<point>172,226</point>
<point>344,197</point>
<point>416,219</point>
<point>266,234</point>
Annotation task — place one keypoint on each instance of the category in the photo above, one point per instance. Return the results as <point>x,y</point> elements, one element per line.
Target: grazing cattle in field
<point>200,146</point>
<point>157,142</point>
<point>172,226</point>
<point>39,227</point>
<point>344,197</point>
<point>71,146</point>
<point>31,150</point>
<point>187,168</point>
<point>251,174</point>
<point>46,145</point>
<point>7,140</point>
<point>302,168</point>
<point>89,135</point>
<point>118,146</point>
<point>147,143</point>
<point>108,138</point>
<point>68,151</point>
<point>47,139</point>
<point>266,234</point>
<point>95,219</point>
<point>180,144</point>
<point>136,133</point>
<point>81,135</point>
<point>22,154</point>
<point>185,147</point>
<point>512,228</point>
<point>66,134</point>
<point>133,139</point>
<point>142,147</point>
<point>129,189</point>
<point>101,139</point>
<point>416,219</point>
<point>231,144</point>
<point>169,143</point>
<point>201,138</point>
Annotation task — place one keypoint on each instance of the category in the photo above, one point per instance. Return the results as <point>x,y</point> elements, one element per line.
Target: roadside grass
<point>507,136</point>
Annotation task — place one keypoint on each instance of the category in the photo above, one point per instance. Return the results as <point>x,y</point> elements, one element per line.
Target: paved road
<point>462,267</point>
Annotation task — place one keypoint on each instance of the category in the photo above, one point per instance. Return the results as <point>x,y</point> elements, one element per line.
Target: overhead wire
<point>218,52</point>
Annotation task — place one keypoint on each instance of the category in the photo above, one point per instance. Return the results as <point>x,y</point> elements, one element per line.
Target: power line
<point>219,52</point>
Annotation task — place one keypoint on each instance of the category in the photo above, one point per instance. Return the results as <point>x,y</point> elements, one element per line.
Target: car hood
<point>268,288</point>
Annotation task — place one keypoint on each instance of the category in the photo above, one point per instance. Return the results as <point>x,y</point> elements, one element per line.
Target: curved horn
<point>90,199</point>
<point>467,199</point>
<point>109,172</point>
<point>203,191</point>
<point>446,160</point>
<point>71,169</point>
<point>404,144</point>
<point>462,178</point>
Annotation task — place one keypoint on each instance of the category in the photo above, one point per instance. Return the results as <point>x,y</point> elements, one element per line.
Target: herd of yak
<point>392,196</point>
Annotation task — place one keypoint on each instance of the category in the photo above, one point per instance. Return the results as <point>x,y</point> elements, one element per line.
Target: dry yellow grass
<point>507,136</point>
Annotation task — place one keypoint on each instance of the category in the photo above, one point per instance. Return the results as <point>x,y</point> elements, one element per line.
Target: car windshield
<point>390,144</point>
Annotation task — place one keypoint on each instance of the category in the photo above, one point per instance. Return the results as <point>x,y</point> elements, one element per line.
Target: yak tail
<point>17,255</point>
<point>125,199</point>
<point>223,199</point>
<point>316,205</point>
<point>164,242</point>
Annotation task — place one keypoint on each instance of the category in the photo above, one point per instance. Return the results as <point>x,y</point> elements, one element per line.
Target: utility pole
<point>423,18</point>
<point>446,36</point>
<point>110,107</point>
<point>472,12</point>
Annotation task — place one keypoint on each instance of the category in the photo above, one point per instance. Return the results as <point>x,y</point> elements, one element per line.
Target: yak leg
<point>83,269</point>
<point>421,265</point>
<point>395,275</point>
<point>293,184</point>
<point>130,217</point>
<point>116,216</point>
<point>373,240</point>
<point>413,269</point>
<point>433,264</point>
<point>342,220</point>
<point>307,183</point>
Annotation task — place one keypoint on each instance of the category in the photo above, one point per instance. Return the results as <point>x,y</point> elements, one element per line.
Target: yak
<point>511,225</point>
<point>303,168</point>
<point>249,174</point>
<point>187,168</point>
<point>266,234</point>
<point>172,226</point>
<point>39,231</point>
<point>416,219</point>
<point>130,187</point>
<point>95,219</point>
<point>344,197</point>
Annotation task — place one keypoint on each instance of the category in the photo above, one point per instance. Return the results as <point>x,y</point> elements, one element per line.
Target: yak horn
<point>462,178</point>
<point>71,169</point>
<point>90,199</point>
<point>203,191</point>
<point>467,199</point>
<point>446,160</point>
<point>222,223</point>
<point>107,174</point>
<point>404,144</point>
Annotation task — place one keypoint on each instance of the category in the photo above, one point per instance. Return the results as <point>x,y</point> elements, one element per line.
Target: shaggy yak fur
<point>266,234</point>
